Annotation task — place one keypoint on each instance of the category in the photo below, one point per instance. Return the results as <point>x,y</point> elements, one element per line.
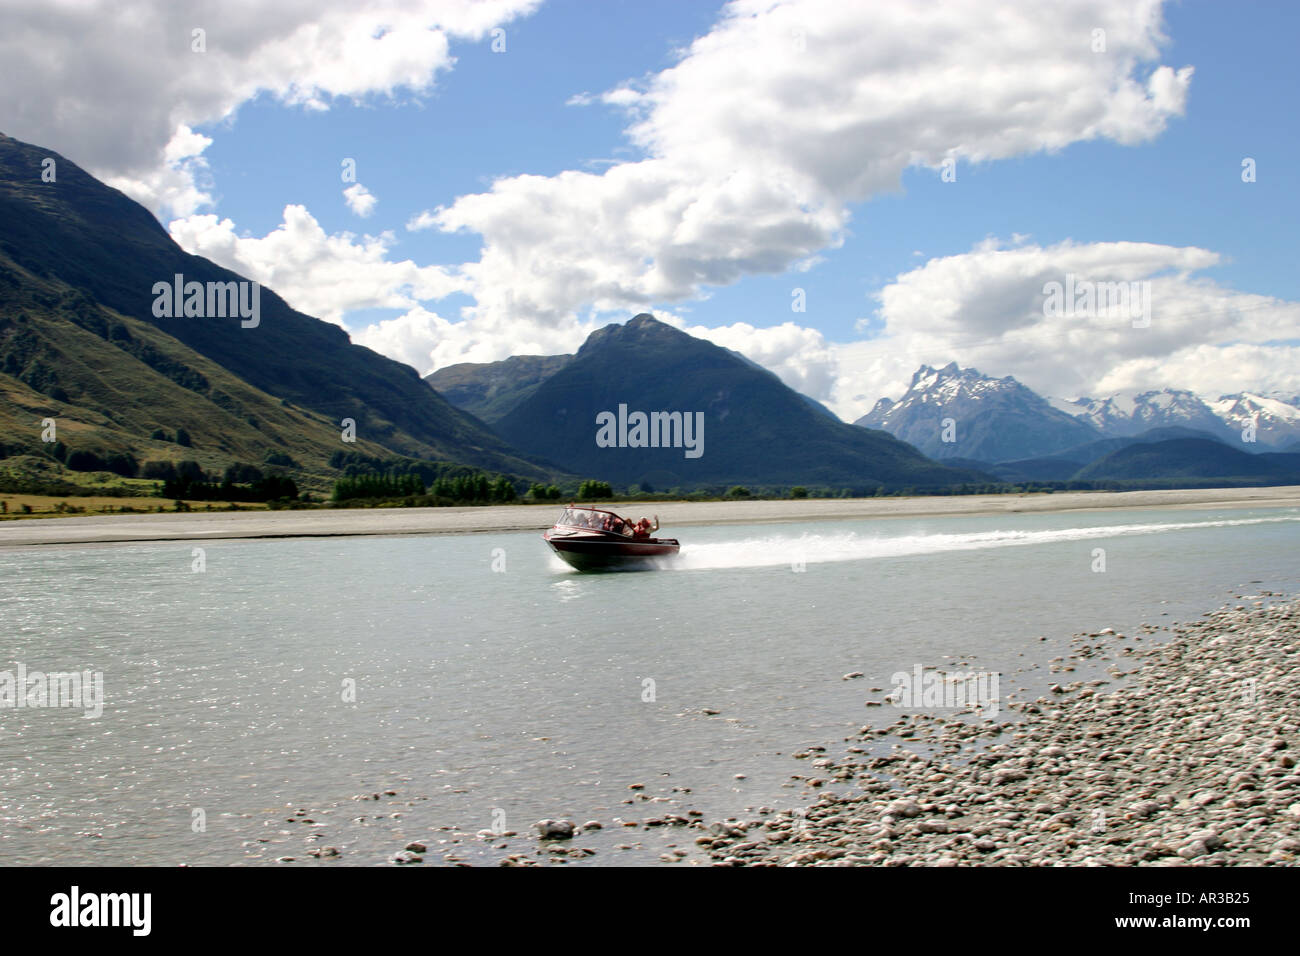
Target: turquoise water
<point>489,696</point>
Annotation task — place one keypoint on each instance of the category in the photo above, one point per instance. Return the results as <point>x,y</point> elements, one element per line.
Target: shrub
<point>239,473</point>
<point>159,470</point>
<point>122,464</point>
<point>503,489</point>
<point>591,488</point>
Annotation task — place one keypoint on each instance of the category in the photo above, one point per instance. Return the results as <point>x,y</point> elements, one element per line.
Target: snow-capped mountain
<point>1277,423</point>
<point>1001,420</point>
<point>992,419</point>
<point>1130,413</point>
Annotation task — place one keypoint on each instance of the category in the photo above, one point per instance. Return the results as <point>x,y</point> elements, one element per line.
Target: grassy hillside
<point>111,382</point>
<point>78,235</point>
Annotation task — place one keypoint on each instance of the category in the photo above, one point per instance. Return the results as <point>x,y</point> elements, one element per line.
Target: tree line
<point>369,478</point>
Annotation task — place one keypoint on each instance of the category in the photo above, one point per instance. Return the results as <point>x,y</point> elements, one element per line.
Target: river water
<point>487,685</point>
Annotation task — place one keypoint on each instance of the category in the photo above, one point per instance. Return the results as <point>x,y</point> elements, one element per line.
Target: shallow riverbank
<point>1192,761</point>
<point>391,521</point>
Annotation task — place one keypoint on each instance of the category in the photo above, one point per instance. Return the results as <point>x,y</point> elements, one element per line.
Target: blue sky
<point>495,114</point>
<point>1056,196</point>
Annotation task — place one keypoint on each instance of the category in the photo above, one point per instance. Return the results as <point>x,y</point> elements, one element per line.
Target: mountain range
<point>957,413</point>
<point>84,342</point>
<point>87,340</point>
<point>755,428</point>
<point>1131,413</point>
<point>999,419</point>
<point>998,426</point>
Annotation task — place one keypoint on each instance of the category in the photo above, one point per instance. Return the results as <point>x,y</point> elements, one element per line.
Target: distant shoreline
<point>347,522</point>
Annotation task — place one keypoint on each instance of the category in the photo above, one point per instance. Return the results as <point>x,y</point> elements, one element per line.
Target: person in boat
<point>643,528</point>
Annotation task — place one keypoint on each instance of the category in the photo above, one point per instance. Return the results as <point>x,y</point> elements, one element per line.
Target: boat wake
<point>789,550</point>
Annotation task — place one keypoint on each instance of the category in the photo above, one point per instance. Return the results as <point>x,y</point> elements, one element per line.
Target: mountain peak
<point>1275,422</point>
<point>645,324</point>
<point>954,376</point>
<point>950,371</point>
<point>975,403</point>
<point>642,328</point>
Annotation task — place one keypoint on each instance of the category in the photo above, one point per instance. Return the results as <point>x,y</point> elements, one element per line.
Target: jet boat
<point>590,539</point>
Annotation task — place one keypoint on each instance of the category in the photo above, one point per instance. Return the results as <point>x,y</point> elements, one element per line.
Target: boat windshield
<point>591,518</point>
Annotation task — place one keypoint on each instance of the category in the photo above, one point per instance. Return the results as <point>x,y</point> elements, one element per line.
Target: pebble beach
<point>1185,754</point>
<point>1190,761</point>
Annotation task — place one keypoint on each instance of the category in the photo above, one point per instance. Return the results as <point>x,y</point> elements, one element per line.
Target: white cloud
<point>755,148</point>
<point>801,357</point>
<point>360,200</point>
<point>319,274</point>
<point>180,182</point>
<point>116,85</point>
<point>754,151</point>
<point>427,341</point>
<point>423,220</point>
